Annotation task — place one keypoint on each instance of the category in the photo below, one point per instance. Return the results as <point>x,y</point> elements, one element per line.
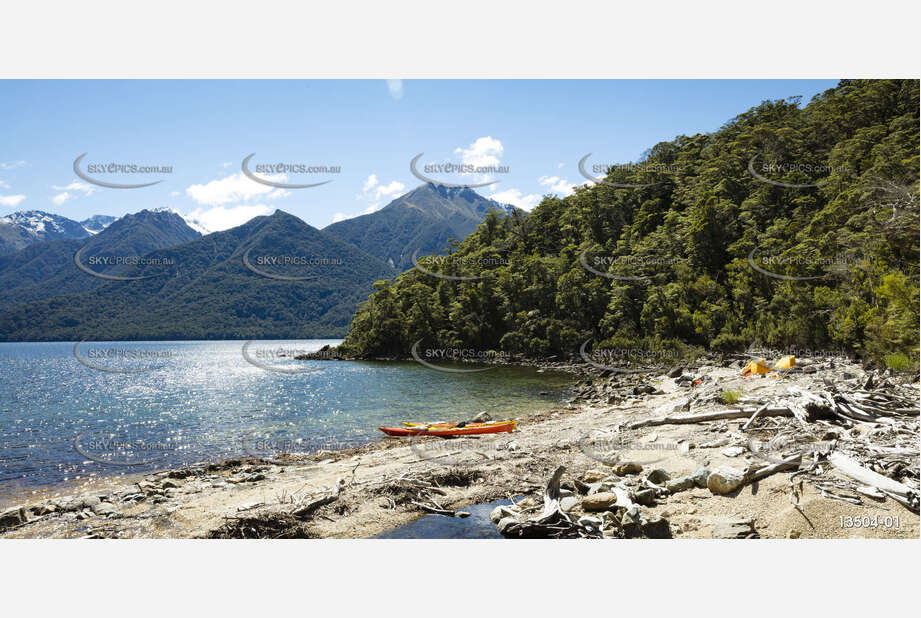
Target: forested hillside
<point>423,220</point>
<point>205,289</point>
<point>791,226</point>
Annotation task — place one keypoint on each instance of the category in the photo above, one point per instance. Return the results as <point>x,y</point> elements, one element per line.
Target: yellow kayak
<point>448,424</point>
<point>451,429</point>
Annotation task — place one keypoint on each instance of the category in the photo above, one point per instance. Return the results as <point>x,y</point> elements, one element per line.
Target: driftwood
<point>899,492</point>
<point>552,497</point>
<point>552,522</point>
<point>787,464</point>
<point>307,510</point>
<point>686,419</point>
<point>434,510</point>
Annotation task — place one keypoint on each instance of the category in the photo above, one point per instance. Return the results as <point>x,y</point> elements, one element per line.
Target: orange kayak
<point>468,430</point>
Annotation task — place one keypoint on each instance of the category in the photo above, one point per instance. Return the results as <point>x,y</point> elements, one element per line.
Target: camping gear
<point>428,430</point>
<point>787,362</point>
<point>755,367</point>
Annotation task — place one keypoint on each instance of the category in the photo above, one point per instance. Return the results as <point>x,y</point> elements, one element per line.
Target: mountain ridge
<point>207,290</point>
<point>424,219</point>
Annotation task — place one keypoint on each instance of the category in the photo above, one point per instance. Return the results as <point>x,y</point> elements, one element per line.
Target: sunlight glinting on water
<point>60,414</point>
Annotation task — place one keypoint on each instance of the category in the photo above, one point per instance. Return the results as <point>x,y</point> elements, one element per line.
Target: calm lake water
<point>109,408</point>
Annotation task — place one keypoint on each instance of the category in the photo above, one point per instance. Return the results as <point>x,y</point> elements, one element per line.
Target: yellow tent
<point>787,362</point>
<point>754,367</point>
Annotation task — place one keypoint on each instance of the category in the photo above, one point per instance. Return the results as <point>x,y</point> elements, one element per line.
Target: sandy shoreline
<point>381,483</point>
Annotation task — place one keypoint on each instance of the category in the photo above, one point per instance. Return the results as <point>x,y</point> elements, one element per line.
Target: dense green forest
<point>206,291</point>
<point>792,226</point>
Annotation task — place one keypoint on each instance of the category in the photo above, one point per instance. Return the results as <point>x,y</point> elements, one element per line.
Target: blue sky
<point>371,129</point>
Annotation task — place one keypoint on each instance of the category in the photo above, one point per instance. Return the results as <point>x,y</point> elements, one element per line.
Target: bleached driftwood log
<point>898,491</point>
<point>305,511</point>
<point>686,419</point>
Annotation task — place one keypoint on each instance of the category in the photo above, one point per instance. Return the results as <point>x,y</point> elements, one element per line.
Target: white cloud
<point>11,165</point>
<point>374,192</point>
<point>484,151</point>
<point>227,164</point>
<point>516,198</point>
<point>560,166</point>
<point>236,188</point>
<point>3,185</point>
<point>557,184</point>
<point>68,192</point>
<point>395,87</point>
<point>222,217</point>
<point>11,200</point>
<point>76,185</point>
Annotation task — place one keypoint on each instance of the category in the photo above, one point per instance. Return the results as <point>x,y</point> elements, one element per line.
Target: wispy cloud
<point>374,192</point>
<point>69,191</point>
<point>395,87</point>
<point>11,165</point>
<point>557,185</point>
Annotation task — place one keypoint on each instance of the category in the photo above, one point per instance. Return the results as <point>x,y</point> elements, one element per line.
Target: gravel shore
<point>360,492</point>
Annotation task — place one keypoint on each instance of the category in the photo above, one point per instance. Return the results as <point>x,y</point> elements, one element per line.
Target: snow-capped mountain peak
<point>97,223</point>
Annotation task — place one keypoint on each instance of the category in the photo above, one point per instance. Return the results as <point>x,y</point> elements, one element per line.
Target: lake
<point>71,411</point>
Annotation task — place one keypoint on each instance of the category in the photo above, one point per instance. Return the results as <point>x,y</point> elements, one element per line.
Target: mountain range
<point>272,277</point>
<point>21,229</point>
<point>44,270</point>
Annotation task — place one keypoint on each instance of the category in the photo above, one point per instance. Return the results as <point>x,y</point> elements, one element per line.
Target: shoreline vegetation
<point>668,426</point>
<point>792,225</point>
